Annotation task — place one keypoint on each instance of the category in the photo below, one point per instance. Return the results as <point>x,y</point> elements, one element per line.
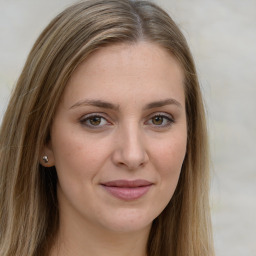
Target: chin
<point>129,220</point>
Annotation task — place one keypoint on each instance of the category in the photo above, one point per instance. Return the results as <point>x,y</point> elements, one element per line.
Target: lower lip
<point>128,193</point>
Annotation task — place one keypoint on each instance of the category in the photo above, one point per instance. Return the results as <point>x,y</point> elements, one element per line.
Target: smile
<point>127,190</point>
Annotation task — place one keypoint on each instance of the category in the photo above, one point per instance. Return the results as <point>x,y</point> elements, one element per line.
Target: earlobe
<point>46,157</point>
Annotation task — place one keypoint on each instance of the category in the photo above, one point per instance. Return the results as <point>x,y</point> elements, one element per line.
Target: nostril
<point>130,160</point>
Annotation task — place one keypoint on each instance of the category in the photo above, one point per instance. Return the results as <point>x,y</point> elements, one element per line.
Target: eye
<point>160,120</point>
<point>94,121</point>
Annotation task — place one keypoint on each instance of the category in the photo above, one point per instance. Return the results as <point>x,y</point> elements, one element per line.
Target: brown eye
<point>161,120</point>
<point>157,120</point>
<point>95,121</point>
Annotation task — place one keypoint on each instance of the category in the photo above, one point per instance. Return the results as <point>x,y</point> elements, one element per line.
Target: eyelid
<point>165,115</point>
<point>89,116</point>
<point>161,113</point>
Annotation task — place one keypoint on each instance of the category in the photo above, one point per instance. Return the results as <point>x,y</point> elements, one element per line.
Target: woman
<point>104,144</point>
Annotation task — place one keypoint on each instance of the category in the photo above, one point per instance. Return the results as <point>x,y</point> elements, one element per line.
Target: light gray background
<point>222,36</point>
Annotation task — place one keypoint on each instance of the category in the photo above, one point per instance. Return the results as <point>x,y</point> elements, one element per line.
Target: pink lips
<point>127,189</point>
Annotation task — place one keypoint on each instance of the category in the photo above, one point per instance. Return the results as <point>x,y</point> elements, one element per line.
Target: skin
<point>134,139</point>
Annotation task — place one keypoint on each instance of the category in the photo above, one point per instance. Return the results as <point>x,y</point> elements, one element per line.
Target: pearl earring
<point>45,159</point>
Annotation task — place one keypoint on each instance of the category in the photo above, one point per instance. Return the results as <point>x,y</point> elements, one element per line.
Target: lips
<point>127,189</point>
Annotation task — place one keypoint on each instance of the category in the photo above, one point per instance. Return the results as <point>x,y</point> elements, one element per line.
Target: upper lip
<point>127,183</point>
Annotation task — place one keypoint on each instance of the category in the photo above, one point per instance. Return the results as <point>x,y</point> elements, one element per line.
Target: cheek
<point>171,154</point>
<point>67,148</point>
<point>77,162</point>
<point>77,155</point>
<point>169,158</point>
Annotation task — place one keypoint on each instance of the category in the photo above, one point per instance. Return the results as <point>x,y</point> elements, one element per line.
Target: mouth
<point>127,189</point>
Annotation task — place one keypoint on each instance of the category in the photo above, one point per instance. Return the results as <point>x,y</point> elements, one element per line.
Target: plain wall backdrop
<point>222,37</point>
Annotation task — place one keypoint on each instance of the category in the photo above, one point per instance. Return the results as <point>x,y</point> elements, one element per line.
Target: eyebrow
<point>96,103</point>
<point>108,105</point>
<point>161,103</point>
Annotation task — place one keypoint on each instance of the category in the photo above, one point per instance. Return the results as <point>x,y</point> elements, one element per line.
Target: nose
<point>130,151</point>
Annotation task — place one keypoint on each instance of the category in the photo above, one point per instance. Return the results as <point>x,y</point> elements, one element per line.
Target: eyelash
<point>85,121</point>
<point>87,118</point>
<point>168,119</point>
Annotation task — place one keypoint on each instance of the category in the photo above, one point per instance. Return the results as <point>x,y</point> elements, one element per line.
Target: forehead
<point>141,68</point>
<point>140,54</point>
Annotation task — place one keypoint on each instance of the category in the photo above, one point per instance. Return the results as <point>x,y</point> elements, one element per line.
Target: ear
<point>46,157</point>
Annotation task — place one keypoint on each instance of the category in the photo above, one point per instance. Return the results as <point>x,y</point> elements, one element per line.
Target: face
<point>118,139</point>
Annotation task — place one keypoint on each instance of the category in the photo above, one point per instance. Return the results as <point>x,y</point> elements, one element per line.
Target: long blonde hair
<point>28,201</point>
